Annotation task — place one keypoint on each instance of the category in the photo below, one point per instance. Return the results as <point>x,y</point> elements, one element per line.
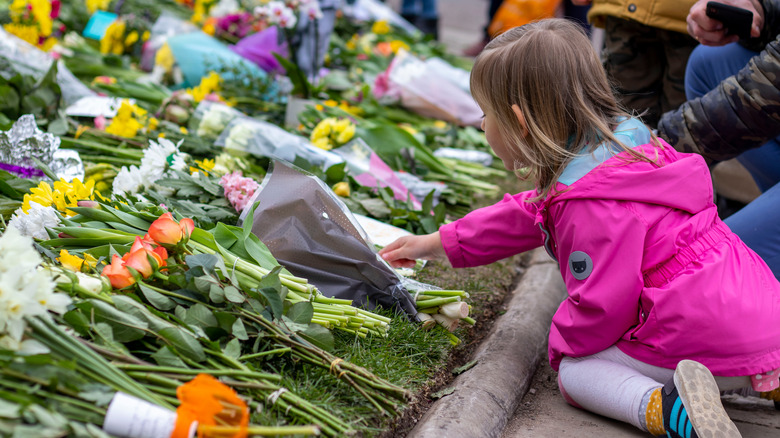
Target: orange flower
<point>158,253</point>
<point>119,276</point>
<point>166,231</point>
<point>209,402</point>
<point>139,260</point>
<point>384,48</point>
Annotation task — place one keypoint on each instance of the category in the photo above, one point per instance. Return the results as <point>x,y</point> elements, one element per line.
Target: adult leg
<point>758,225</point>
<point>707,67</point>
<point>633,58</point>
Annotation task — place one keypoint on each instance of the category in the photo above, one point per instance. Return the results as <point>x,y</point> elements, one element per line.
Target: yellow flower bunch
<point>208,85</point>
<point>198,12</point>
<point>380,27</point>
<point>332,132</point>
<point>95,5</point>
<point>126,123</point>
<point>31,21</point>
<point>61,196</point>
<point>113,40</point>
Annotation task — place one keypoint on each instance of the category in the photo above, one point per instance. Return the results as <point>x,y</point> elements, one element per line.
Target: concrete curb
<point>486,396</point>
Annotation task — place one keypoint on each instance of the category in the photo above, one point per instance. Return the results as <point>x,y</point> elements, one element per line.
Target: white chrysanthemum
<point>35,221</point>
<point>128,181</point>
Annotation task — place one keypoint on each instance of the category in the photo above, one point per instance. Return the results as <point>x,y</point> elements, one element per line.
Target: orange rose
<point>119,276</point>
<point>139,260</point>
<point>158,253</point>
<point>166,231</point>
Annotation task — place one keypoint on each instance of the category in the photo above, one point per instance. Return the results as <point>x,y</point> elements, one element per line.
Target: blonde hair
<point>550,70</point>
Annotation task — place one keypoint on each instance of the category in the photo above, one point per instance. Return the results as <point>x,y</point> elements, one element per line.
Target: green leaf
<point>274,300</point>
<point>200,316</point>
<point>157,299</point>
<point>129,305</point>
<point>78,321</point>
<point>234,295</point>
<point>206,262</point>
<point>217,294</point>
<point>184,343</point>
<point>319,336</point>
<point>166,358</point>
<point>126,327</point>
<point>233,348</point>
<point>224,236</point>
<point>259,252</point>
<point>239,331</point>
<point>301,312</point>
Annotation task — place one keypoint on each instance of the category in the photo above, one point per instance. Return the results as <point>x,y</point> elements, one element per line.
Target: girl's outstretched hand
<point>405,251</point>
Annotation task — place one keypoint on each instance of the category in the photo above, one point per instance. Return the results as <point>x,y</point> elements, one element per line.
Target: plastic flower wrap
<point>27,290</point>
<point>24,141</point>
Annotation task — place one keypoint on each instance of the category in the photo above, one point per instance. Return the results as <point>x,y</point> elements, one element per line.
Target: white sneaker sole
<point>701,398</point>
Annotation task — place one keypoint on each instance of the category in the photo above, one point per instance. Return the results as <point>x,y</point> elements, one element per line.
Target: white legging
<point>613,384</point>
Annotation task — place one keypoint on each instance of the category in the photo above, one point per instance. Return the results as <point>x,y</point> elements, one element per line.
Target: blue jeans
<point>423,8</point>
<point>757,224</point>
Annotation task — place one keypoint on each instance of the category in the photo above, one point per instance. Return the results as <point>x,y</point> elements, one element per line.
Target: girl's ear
<point>520,119</point>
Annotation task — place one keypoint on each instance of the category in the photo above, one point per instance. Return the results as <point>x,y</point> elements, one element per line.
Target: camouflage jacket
<point>742,112</point>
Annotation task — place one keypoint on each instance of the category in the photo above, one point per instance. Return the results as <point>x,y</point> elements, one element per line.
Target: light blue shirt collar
<point>630,132</point>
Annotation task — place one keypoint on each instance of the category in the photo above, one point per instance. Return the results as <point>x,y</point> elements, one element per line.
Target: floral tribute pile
<point>135,136</point>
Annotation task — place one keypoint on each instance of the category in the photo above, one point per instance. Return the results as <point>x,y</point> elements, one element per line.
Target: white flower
<point>224,7</point>
<point>35,221</point>
<point>313,11</point>
<point>179,162</point>
<point>25,291</point>
<point>288,19</point>
<point>129,180</point>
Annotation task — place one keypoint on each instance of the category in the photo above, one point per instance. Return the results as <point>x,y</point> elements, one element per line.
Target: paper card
<point>94,106</point>
<point>380,233</point>
<point>131,417</point>
<point>98,23</point>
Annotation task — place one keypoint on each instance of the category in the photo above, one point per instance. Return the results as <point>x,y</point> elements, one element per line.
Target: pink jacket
<point>647,263</point>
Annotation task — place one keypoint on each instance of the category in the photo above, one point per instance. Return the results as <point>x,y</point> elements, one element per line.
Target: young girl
<point>660,290</point>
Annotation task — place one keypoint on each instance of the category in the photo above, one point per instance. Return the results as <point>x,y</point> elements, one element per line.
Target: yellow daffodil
<point>70,261</point>
<point>330,103</point>
<point>331,132</point>
<point>183,130</point>
<point>346,134</point>
<point>408,128</point>
<point>61,195</point>
<point>145,36</point>
<point>164,58</point>
<point>205,166</point>
<point>352,43</point>
<point>397,45</point>
<point>126,123</point>
<point>440,124</point>
<point>380,27</point>
<point>208,85</point>
<point>80,130</point>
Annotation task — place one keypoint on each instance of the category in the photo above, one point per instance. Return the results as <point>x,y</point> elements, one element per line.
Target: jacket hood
<point>675,180</point>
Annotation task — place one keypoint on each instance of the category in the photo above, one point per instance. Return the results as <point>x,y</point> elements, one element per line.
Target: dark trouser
<point>647,65</point>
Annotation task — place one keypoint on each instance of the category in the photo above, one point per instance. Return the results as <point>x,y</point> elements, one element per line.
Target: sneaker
<point>692,407</point>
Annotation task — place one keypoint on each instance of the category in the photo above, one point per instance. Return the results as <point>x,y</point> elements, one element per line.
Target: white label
<point>94,106</point>
<point>131,417</point>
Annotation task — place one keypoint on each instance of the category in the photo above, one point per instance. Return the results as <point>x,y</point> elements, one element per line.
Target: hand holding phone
<point>737,21</point>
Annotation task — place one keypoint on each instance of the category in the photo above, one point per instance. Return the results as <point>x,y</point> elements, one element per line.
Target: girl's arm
<point>403,252</point>
<point>493,233</point>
